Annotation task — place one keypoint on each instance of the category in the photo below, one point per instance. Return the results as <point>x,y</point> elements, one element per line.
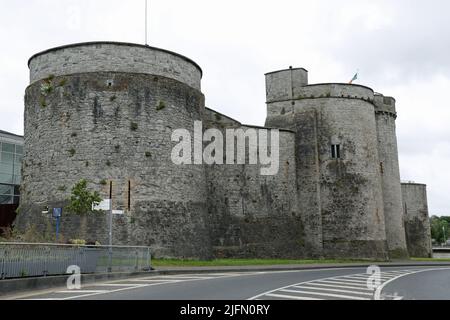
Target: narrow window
<point>110,189</point>
<point>335,151</point>
<point>129,195</point>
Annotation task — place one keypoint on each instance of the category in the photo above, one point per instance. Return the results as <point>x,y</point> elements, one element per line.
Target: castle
<point>105,111</point>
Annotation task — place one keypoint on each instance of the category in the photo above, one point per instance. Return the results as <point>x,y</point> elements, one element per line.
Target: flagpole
<point>146,22</point>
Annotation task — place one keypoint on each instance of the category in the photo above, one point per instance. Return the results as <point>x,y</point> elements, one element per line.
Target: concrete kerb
<point>15,287</point>
<point>178,270</point>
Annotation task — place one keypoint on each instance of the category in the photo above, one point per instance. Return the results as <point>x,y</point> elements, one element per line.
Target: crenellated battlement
<point>385,105</point>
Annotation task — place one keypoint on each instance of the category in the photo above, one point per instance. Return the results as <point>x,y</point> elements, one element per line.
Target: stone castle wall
<point>341,198</point>
<point>254,215</point>
<point>106,112</point>
<point>417,222</point>
<point>116,127</point>
<point>390,176</point>
<point>114,57</point>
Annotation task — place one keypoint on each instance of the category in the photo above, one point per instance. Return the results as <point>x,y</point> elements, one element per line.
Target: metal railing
<point>44,259</point>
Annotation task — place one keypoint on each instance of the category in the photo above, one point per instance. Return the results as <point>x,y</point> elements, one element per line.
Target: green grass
<point>243,262</point>
<point>432,259</point>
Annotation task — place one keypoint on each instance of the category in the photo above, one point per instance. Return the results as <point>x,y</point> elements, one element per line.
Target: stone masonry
<point>417,222</point>
<point>106,111</point>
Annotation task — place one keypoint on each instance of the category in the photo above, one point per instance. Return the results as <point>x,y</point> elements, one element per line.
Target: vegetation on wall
<point>161,105</point>
<point>62,82</point>
<point>42,102</point>
<point>82,198</point>
<point>133,126</point>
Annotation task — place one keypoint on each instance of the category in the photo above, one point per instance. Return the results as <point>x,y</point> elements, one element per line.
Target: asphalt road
<point>320,284</point>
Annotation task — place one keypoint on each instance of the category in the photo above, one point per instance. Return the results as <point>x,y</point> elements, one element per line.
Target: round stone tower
<point>417,222</point>
<point>385,115</point>
<point>338,172</point>
<point>105,112</point>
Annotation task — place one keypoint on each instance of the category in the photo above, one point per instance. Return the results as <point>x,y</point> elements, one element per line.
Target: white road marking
<point>308,287</point>
<point>380,288</point>
<point>332,282</point>
<point>43,299</point>
<point>189,277</point>
<point>346,279</point>
<point>339,282</point>
<point>144,282</point>
<point>347,282</point>
<point>337,286</point>
<point>110,291</point>
<point>156,280</point>
<point>288,297</point>
<point>325,294</point>
<point>365,277</point>
<point>117,285</point>
<point>349,285</point>
<point>82,291</point>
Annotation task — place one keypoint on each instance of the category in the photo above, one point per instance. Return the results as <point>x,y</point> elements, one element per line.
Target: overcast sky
<point>401,48</point>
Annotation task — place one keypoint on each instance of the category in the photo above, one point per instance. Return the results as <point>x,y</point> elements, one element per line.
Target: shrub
<point>82,199</point>
<point>46,88</point>
<point>134,126</point>
<point>79,242</point>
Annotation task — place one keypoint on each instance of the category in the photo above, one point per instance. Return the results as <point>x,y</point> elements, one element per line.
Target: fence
<point>43,259</point>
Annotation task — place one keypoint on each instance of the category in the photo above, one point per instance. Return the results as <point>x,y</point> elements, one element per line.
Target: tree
<point>439,225</point>
<point>80,203</point>
<point>81,200</point>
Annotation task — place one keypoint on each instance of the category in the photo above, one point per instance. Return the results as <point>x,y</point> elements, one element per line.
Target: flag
<point>355,77</point>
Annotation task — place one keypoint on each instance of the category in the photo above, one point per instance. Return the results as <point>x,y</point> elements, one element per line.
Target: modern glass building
<point>11,153</point>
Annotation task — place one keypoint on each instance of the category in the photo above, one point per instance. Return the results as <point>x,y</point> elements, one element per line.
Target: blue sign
<point>57,212</point>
